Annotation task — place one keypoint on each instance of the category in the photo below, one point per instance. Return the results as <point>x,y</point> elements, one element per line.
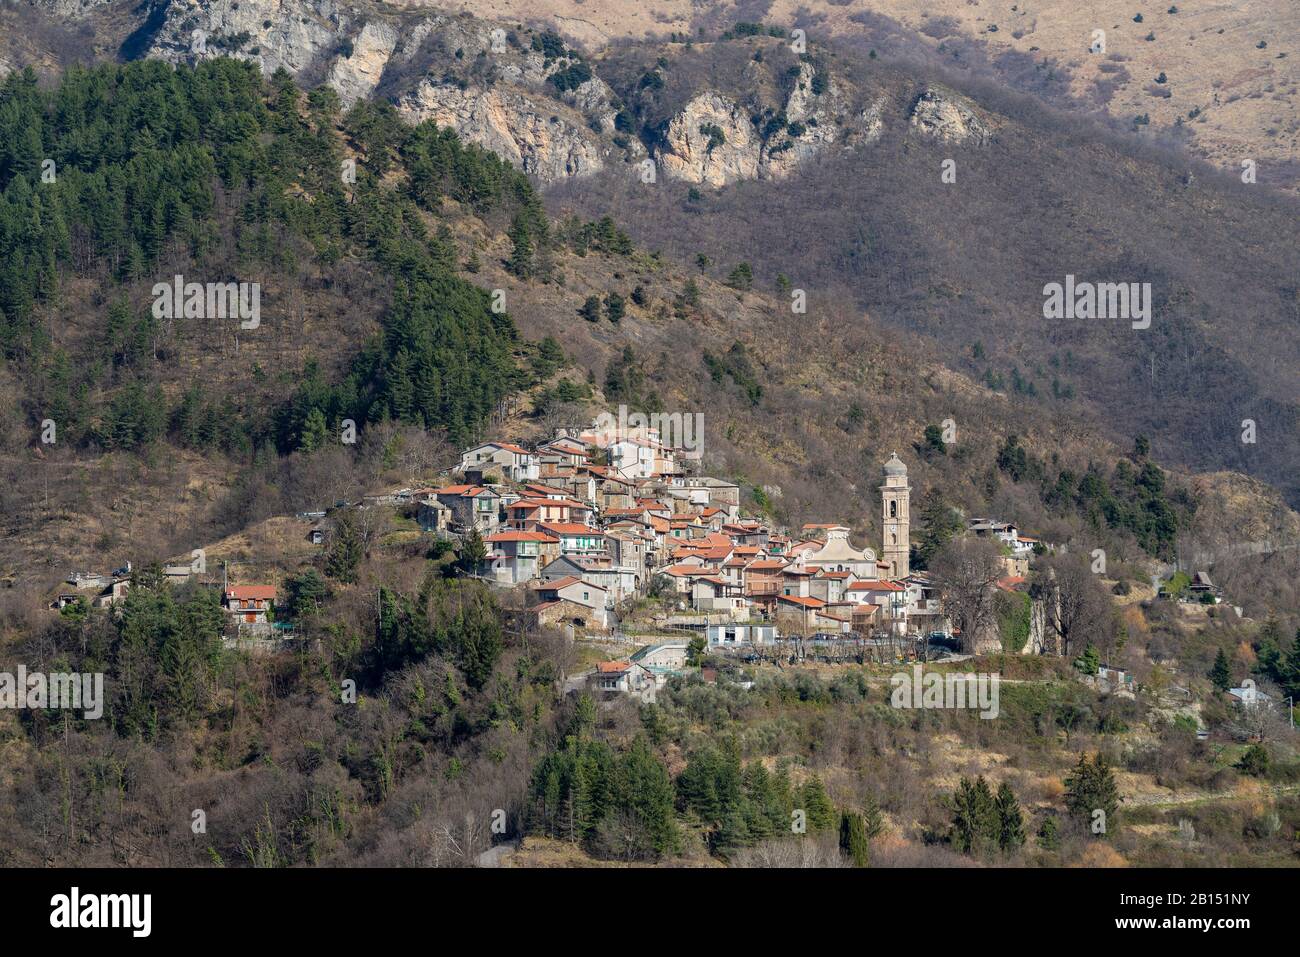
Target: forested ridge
<point>151,165</point>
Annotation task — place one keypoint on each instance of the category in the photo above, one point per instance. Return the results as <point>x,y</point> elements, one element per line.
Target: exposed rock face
<point>356,77</point>
<point>711,141</point>
<point>948,117</point>
<point>69,9</point>
<point>290,35</point>
<point>531,135</point>
<point>714,141</point>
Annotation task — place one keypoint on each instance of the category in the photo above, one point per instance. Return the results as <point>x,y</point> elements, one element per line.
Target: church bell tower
<point>895,496</point>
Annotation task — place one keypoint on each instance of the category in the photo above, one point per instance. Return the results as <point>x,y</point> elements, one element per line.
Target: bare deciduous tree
<point>1077,606</point>
<point>966,571</point>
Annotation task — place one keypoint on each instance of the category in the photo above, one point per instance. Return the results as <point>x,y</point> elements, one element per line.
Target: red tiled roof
<point>521,537</point>
<point>570,528</point>
<point>805,602</point>
<point>565,582</point>
<point>251,592</point>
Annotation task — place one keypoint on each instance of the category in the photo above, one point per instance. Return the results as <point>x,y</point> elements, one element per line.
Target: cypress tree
<point>853,838</point>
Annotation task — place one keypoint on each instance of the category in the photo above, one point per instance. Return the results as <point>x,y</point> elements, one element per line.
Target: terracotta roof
<point>516,536</point>
<point>612,667</point>
<point>565,582</point>
<point>570,528</point>
<point>251,592</point>
<point>876,586</point>
<point>805,602</point>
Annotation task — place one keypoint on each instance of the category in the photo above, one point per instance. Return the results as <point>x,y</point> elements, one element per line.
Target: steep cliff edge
<point>743,107</point>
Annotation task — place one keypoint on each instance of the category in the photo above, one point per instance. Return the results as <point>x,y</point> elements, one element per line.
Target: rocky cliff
<point>548,107</point>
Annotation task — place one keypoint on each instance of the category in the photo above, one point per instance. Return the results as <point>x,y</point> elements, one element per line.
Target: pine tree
<point>975,823</point>
<point>742,277</point>
<point>939,522</point>
<point>315,432</point>
<point>1089,789</point>
<point>1011,833</point>
<point>1268,651</point>
<point>521,262</point>
<point>615,308</point>
<point>1049,838</point>
<point>817,805</point>
<point>644,792</point>
<point>1089,661</point>
<point>344,555</point>
<point>1291,668</point>
<point>473,552</point>
<point>590,309</point>
<point>1221,673</point>
<point>872,819</point>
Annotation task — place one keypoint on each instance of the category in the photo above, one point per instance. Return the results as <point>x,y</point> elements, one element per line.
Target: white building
<point>838,555</point>
<point>740,634</point>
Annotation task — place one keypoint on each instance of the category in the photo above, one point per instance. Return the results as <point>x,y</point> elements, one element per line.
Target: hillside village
<point>612,536</point>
